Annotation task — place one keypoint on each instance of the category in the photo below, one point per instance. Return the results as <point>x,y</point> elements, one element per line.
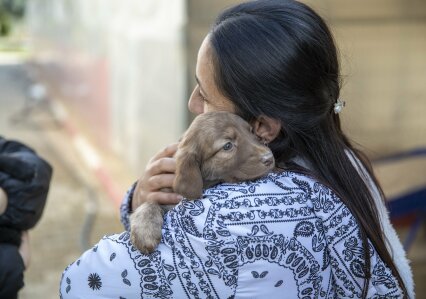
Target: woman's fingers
<point>160,166</point>
<point>158,182</point>
<point>164,198</point>
<point>159,174</point>
<point>147,189</point>
<point>167,152</point>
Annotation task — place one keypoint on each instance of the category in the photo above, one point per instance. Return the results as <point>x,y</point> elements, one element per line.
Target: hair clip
<point>338,106</point>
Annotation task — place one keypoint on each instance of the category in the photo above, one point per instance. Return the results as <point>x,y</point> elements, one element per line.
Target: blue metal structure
<point>411,204</point>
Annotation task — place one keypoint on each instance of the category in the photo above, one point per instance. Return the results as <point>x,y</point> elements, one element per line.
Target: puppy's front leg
<point>145,227</point>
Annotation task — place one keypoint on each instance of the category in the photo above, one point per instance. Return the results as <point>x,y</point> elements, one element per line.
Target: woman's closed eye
<point>203,98</point>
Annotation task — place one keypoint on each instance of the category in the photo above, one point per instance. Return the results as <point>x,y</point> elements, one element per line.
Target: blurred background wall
<point>118,66</point>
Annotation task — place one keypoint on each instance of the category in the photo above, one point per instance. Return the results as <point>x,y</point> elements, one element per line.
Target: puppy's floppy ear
<point>188,181</point>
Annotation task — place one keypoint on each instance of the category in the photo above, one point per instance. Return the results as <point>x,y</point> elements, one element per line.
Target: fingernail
<point>179,198</point>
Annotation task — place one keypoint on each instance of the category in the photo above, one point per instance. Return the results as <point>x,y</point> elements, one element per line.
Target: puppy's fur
<point>217,147</point>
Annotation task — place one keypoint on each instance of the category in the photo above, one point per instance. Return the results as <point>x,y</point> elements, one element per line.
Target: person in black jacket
<point>24,185</point>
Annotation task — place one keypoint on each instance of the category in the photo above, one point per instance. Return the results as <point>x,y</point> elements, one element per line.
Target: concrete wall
<point>383,54</point>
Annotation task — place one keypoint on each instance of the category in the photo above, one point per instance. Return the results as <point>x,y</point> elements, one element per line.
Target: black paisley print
<point>281,236</point>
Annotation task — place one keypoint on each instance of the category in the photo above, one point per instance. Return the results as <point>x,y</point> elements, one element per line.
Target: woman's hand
<point>3,201</point>
<point>24,249</point>
<point>159,174</point>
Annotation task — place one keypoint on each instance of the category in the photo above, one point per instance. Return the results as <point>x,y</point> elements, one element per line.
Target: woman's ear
<point>188,181</point>
<point>266,128</point>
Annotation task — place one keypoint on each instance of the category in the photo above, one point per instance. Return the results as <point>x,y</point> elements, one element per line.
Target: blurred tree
<point>10,10</point>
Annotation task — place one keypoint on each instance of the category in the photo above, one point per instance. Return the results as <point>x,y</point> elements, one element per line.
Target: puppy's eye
<point>228,146</point>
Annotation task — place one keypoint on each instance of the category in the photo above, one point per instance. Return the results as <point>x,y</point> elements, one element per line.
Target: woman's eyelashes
<point>203,98</point>
<point>200,93</point>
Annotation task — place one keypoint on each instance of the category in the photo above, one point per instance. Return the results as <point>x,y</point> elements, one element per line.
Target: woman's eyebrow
<point>199,84</point>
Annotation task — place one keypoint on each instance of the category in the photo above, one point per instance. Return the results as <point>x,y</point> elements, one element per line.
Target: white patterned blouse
<point>282,236</point>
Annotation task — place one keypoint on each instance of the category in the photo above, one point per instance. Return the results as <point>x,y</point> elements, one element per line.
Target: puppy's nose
<point>267,159</point>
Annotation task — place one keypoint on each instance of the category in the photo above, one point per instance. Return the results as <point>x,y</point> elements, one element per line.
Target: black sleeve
<point>13,146</point>
<point>25,177</point>
<point>11,271</point>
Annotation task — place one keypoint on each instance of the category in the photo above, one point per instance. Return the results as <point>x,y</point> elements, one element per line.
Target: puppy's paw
<point>145,227</point>
<point>144,240</point>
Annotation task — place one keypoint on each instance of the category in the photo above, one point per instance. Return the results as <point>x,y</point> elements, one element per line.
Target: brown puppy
<point>217,147</point>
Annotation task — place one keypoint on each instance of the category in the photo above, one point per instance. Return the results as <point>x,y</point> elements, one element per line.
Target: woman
<point>314,227</point>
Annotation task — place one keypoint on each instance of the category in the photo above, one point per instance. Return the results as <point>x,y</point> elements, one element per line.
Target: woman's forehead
<point>205,76</point>
<point>204,68</point>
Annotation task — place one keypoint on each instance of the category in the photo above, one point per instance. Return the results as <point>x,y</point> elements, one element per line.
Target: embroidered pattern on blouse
<point>282,224</point>
<point>155,275</point>
<point>95,282</point>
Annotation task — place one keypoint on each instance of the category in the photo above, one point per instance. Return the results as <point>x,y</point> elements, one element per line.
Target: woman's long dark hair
<point>278,58</point>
